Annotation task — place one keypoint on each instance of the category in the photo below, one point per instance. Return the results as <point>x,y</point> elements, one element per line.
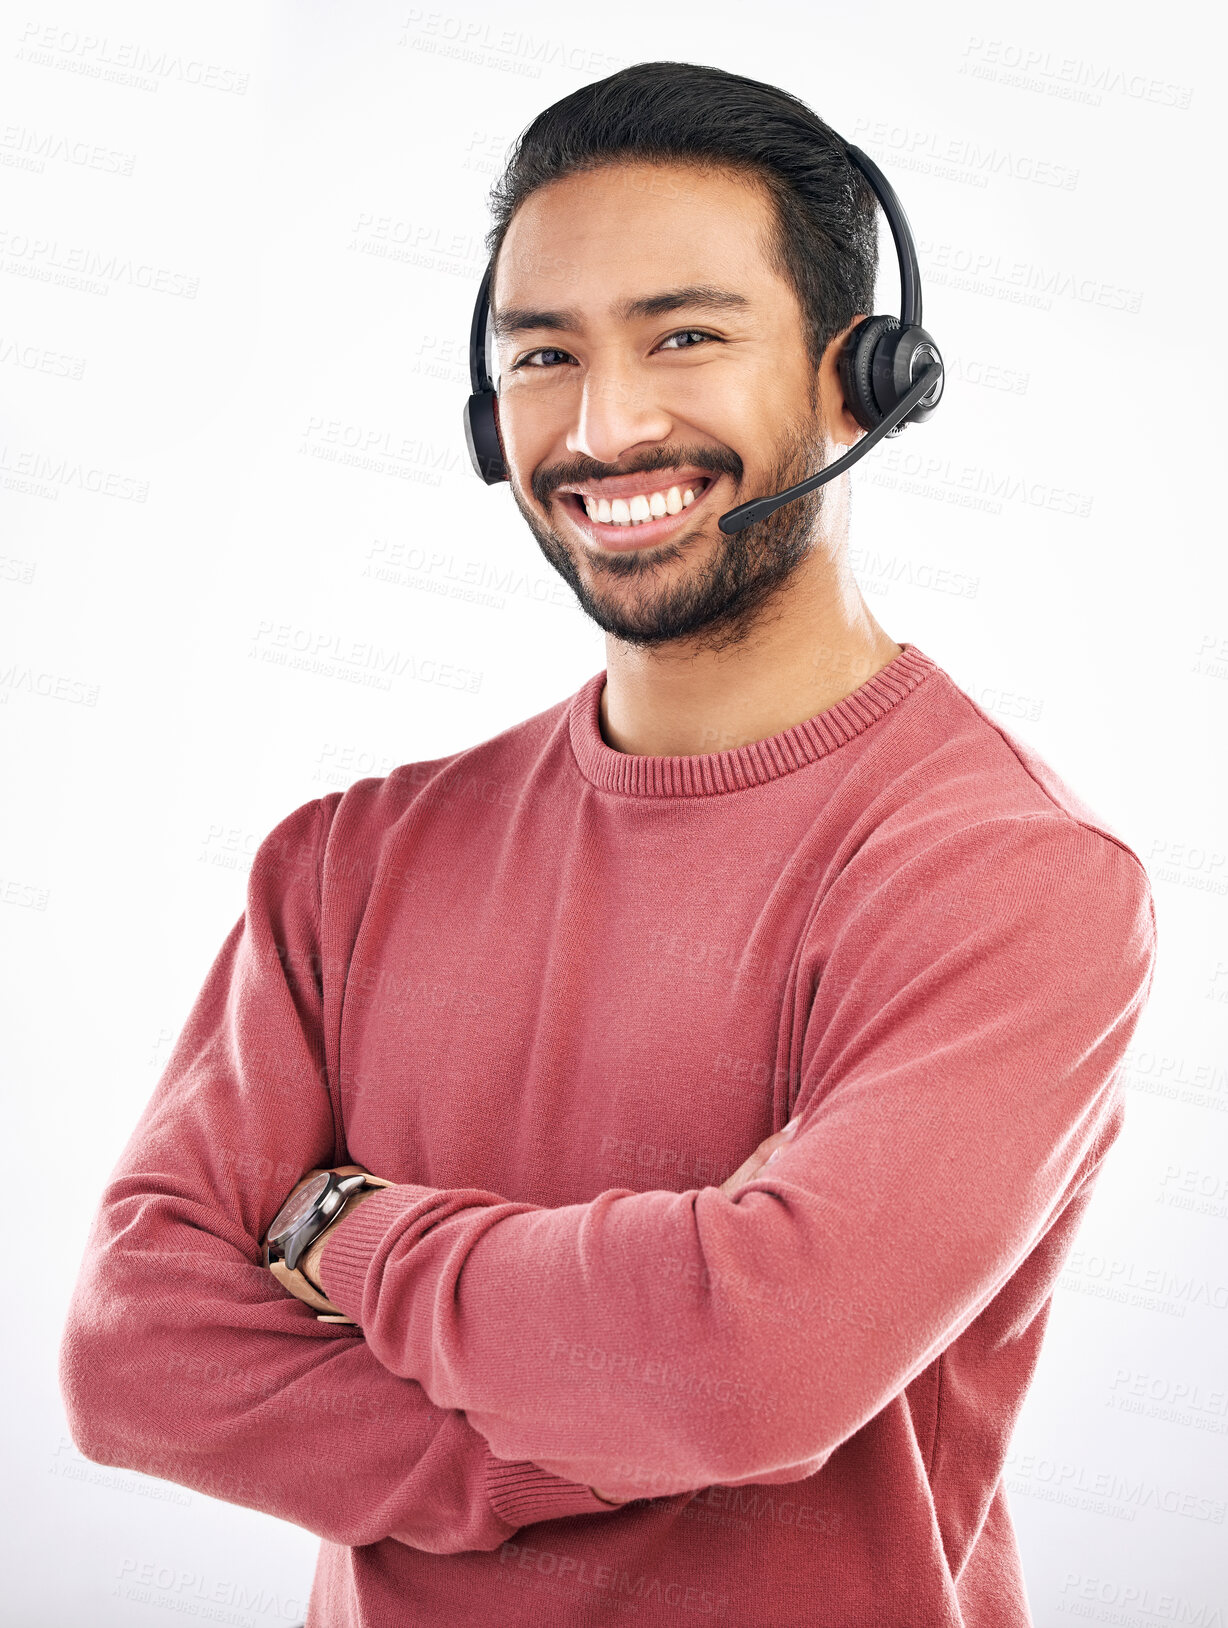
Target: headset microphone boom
<point>890,368</point>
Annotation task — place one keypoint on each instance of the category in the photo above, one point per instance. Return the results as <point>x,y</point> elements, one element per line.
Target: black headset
<point>878,367</point>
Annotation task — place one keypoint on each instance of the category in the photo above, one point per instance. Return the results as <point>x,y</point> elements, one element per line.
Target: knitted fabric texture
<point>556,994</point>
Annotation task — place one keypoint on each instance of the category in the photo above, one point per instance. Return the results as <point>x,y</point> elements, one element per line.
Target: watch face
<point>296,1210</point>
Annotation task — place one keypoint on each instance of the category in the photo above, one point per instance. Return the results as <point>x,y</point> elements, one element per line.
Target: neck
<point>815,644</point>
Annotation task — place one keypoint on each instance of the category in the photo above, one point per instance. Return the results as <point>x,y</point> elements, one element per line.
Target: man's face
<point>717,398</point>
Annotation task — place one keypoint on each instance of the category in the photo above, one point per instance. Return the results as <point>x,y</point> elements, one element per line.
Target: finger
<point>749,1168</point>
<point>746,1169</point>
<point>743,1173</point>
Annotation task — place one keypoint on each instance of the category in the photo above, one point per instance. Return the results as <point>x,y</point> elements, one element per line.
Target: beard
<point>716,606</point>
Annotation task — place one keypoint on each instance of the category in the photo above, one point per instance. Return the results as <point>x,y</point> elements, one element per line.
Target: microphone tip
<point>744,515</point>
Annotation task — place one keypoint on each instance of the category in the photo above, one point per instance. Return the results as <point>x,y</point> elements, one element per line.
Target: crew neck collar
<point>707,774</point>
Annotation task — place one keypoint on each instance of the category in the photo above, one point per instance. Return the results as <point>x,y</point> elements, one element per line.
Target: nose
<point>618,411</point>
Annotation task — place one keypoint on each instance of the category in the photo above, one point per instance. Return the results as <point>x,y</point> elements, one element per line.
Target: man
<point>563,992</point>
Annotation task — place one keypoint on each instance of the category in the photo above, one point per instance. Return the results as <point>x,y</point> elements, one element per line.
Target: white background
<point>284,209</point>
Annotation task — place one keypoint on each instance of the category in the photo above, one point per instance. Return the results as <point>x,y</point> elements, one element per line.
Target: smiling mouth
<point>635,534</point>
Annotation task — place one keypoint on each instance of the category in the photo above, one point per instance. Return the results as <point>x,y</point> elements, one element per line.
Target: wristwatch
<point>305,1216</point>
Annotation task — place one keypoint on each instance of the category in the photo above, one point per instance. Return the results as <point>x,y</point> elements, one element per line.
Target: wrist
<point>295,1218</point>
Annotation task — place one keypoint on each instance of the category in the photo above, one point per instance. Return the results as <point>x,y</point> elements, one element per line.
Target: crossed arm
<point>956,1073</point>
<point>310,1263</point>
<point>956,1087</point>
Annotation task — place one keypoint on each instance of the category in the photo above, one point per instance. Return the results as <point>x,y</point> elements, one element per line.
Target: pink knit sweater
<point>557,994</point>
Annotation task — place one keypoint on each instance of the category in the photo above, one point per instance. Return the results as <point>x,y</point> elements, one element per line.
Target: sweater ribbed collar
<point>705,774</point>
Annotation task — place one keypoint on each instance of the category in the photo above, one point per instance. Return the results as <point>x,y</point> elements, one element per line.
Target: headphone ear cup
<point>898,358</point>
<point>482,437</point>
<point>856,369</point>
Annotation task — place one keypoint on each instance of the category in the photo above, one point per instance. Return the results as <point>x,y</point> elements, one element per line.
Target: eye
<point>684,332</point>
<point>544,351</point>
<point>549,350</point>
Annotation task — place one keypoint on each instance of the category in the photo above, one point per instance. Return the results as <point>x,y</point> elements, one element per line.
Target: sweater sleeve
<point>971,1006</point>
<point>183,1357</point>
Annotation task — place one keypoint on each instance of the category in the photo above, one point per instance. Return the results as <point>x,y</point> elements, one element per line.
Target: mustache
<point>713,461</point>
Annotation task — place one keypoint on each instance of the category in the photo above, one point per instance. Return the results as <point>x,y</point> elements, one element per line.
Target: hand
<point>607,1500</point>
<point>750,1168</point>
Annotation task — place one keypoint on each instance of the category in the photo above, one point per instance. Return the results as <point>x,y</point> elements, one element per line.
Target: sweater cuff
<point>348,1250</point>
<point>522,1493</point>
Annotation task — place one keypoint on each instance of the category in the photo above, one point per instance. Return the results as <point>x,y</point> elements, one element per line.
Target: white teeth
<point>639,509</point>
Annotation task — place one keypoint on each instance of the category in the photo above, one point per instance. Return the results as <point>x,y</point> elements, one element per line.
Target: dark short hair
<point>826,240</point>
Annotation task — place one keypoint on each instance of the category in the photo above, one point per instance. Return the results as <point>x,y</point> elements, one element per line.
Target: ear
<point>842,425</point>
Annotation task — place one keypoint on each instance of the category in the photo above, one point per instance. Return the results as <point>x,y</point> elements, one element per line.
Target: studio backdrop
<point>246,562</point>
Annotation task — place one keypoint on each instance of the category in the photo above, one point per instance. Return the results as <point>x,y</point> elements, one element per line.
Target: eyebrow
<point>699,296</point>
